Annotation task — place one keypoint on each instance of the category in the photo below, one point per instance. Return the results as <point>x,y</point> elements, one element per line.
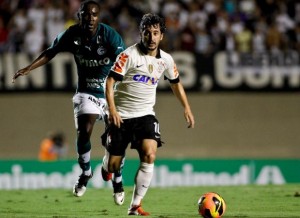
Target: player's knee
<point>146,167</point>
<point>149,158</point>
<point>83,133</point>
<point>114,166</point>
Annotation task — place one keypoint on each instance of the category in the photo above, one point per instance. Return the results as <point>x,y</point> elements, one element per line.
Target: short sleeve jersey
<point>139,74</point>
<point>93,58</point>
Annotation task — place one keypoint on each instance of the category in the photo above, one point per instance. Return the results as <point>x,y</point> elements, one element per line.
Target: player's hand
<point>189,117</point>
<point>21,72</point>
<point>115,118</point>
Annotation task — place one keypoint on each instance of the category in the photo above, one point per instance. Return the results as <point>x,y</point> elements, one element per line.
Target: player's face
<point>90,19</point>
<point>151,37</point>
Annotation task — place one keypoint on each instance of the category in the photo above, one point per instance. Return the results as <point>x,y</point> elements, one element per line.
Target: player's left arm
<point>172,75</point>
<point>179,92</point>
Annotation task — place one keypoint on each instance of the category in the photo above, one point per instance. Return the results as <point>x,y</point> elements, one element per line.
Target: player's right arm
<point>44,58</point>
<point>57,46</point>
<point>113,117</point>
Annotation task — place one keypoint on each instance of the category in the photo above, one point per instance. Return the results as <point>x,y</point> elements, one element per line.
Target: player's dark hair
<point>152,19</point>
<point>83,7</point>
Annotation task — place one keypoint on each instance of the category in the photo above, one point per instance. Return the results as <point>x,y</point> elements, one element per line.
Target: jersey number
<point>156,127</point>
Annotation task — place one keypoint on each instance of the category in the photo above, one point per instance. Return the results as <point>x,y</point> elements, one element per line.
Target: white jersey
<point>135,95</point>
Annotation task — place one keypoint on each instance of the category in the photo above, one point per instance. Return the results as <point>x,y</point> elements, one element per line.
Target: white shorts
<point>88,104</point>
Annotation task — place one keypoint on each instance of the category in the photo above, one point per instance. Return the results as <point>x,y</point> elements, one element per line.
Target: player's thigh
<point>146,127</point>
<point>85,122</point>
<point>117,140</point>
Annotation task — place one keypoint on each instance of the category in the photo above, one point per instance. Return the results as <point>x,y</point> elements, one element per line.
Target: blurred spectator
<point>268,8</point>
<point>274,38</point>
<point>187,38</point>
<point>227,42</point>
<point>3,36</point>
<point>294,42</point>
<point>203,44</point>
<point>173,13</point>
<point>33,41</point>
<point>37,16</point>
<point>18,26</point>
<point>258,40</point>
<point>53,147</point>
<point>197,15</point>
<point>128,27</point>
<point>183,17</point>
<point>54,20</point>
<point>243,40</point>
<point>283,20</point>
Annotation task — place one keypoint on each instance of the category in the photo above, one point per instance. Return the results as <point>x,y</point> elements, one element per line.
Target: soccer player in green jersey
<point>95,47</point>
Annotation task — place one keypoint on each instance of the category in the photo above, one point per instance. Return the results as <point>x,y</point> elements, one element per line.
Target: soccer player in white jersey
<point>136,73</point>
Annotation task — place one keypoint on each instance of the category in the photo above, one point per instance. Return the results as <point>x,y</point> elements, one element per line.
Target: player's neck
<point>154,53</point>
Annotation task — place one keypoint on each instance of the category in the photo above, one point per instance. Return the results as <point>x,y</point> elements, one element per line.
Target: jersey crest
<point>101,50</point>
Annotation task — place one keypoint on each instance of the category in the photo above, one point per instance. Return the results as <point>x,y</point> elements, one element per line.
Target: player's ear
<point>161,36</point>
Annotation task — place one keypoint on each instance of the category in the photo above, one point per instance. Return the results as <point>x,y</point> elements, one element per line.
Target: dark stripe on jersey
<point>116,76</point>
<point>177,80</point>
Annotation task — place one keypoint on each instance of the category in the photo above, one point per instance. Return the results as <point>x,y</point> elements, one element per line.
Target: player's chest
<point>90,48</point>
<point>148,65</point>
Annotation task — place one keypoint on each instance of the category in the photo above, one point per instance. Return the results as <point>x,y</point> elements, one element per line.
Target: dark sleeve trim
<point>116,76</point>
<point>177,80</point>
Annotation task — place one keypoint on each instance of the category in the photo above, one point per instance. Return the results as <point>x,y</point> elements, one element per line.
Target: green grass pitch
<point>251,201</point>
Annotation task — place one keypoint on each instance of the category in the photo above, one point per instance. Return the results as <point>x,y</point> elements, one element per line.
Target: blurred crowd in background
<point>199,26</point>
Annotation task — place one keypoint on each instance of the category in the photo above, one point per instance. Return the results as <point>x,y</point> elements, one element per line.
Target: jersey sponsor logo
<point>145,79</point>
<point>120,63</point>
<point>94,83</point>
<point>93,63</point>
<point>96,101</point>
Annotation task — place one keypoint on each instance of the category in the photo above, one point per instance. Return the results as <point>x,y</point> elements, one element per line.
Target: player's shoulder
<point>105,26</point>
<point>71,31</point>
<point>165,56</point>
<point>106,29</point>
<point>133,50</point>
<point>74,28</point>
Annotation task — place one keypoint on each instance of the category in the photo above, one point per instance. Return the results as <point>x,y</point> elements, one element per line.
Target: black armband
<point>116,76</point>
<point>177,80</point>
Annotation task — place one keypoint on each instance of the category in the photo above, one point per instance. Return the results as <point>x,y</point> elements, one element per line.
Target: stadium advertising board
<point>29,174</point>
<point>219,72</point>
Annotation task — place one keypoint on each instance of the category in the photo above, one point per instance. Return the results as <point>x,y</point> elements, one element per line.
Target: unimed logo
<point>163,177</point>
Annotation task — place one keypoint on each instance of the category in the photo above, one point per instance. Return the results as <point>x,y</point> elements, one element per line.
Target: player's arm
<point>44,58</point>
<point>58,45</point>
<point>179,92</point>
<point>114,116</point>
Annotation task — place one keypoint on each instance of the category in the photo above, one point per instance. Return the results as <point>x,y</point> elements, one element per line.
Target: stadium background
<point>244,107</point>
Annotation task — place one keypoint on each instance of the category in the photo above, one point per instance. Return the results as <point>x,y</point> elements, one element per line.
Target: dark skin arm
<point>41,60</point>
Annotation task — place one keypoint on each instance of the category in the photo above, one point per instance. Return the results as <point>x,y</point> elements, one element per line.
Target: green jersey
<point>93,57</point>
